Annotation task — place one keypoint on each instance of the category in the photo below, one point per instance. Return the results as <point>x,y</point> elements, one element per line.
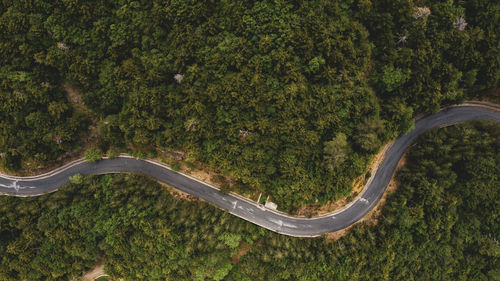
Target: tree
<point>370,134</point>
<point>258,79</point>
<point>10,161</point>
<point>391,78</point>
<point>231,240</point>
<point>335,151</point>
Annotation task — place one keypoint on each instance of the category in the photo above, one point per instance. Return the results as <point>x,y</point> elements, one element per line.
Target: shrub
<point>176,166</point>
<point>93,154</point>
<point>112,153</point>
<point>76,179</point>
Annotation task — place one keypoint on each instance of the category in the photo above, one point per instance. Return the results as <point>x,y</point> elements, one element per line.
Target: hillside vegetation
<point>290,97</point>
<point>443,223</point>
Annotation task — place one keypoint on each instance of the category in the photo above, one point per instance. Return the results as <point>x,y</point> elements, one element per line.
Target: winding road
<point>249,210</point>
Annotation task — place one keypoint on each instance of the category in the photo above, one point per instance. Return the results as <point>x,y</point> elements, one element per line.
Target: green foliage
<point>110,132</point>
<point>443,220</point>
<point>142,230</point>
<point>265,83</point>
<point>112,153</point>
<point>370,134</point>
<point>425,64</point>
<point>37,122</point>
<point>176,166</point>
<point>76,179</point>
<point>407,124</point>
<point>315,64</point>
<point>232,240</point>
<point>140,154</point>
<point>391,78</point>
<point>10,161</point>
<point>336,151</point>
<point>225,188</point>
<point>93,154</point>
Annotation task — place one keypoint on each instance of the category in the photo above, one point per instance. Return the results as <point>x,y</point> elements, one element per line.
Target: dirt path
<point>75,97</point>
<point>97,271</point>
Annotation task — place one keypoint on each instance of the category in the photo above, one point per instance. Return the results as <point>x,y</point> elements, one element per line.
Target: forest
<point>291,98</point>
<point>442,223</point>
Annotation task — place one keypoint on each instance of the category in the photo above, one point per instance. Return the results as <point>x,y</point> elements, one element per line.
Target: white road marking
<point>363,200</point>
<point>280,223</point>
<point>289,225</point>
<point>234,204</point>
<point>16,186</point>
<point>265,212</point>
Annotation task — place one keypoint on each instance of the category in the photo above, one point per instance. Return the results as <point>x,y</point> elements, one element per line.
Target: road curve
<point>248,210</point>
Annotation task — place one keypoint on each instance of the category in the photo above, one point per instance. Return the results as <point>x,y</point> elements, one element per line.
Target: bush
<point>93,154</point>
<point>76,179</point>
<point>225,188</point>
<point>112,153</point>
<point>140,155</point>
<point>176,166</point>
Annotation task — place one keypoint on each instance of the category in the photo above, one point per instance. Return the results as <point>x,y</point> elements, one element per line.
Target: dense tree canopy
<point>36,120</point>
<point>441,224</point>
<point>255,89</point>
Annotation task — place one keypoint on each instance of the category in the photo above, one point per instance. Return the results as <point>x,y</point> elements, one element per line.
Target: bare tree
<point>493,239</point>
<point>178,77</point>
<point>421,13</point>
<point>460,23</point>
<point>243,134</point>
<point>19,94</point>
<point>402,39</point>
<point>62,46</point>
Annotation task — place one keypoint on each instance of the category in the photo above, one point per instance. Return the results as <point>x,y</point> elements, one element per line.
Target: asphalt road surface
<point>249,210</point>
